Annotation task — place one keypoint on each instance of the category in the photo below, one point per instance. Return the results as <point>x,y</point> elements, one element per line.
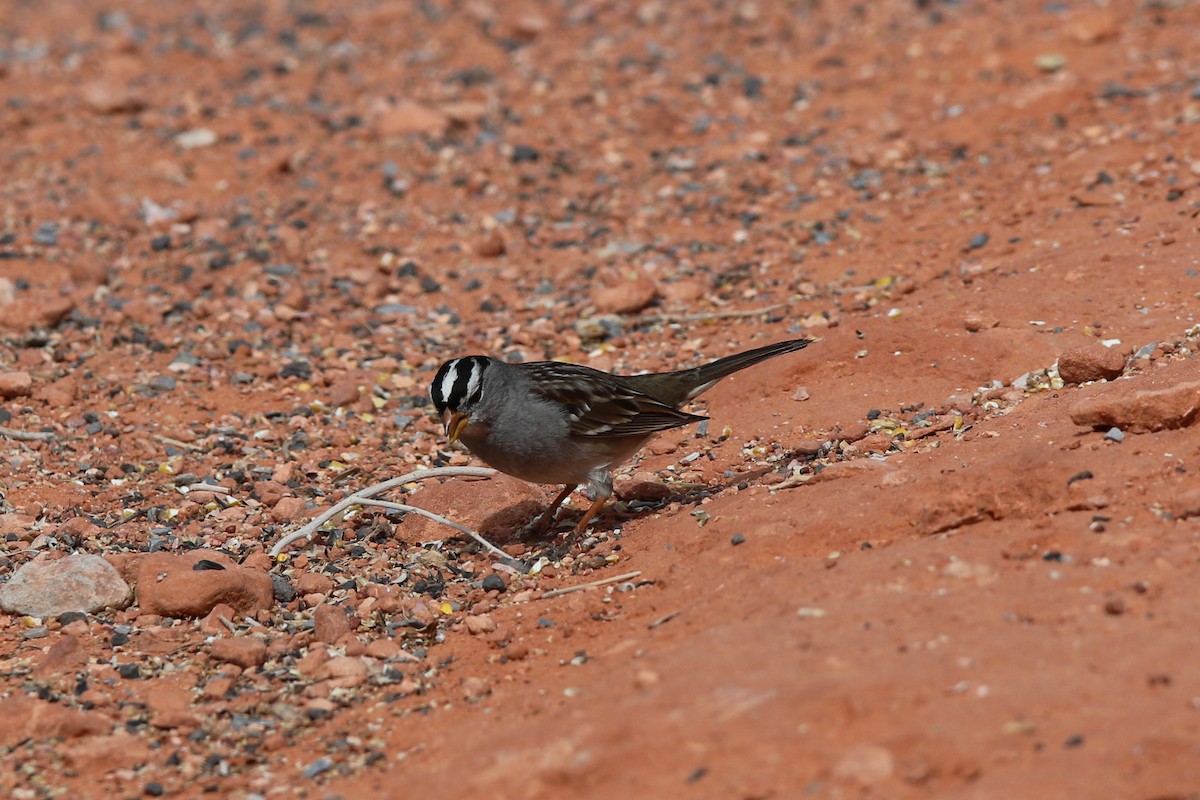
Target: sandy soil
<point>909,561</point>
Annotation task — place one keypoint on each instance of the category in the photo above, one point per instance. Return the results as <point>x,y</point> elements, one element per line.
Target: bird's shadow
<point>558,536</point>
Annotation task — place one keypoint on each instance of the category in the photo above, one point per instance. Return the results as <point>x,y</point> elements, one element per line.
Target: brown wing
<point>599,404</point>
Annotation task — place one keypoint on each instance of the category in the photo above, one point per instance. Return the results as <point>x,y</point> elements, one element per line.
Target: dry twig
<point>628,576</point>
<point>26,436</point>
<point>364,497</point>
<point>667,319</point>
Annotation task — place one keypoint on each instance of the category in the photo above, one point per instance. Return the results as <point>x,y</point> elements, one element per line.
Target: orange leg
<point>597,504</point>
<point>548,515</point>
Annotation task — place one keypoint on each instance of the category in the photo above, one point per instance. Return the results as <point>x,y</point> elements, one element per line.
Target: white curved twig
<point>363,497</point>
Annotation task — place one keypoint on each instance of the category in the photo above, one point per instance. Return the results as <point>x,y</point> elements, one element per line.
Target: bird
<point>559,423</point>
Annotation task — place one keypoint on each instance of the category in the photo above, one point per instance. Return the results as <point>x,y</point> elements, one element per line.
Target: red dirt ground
<point>238,239</point>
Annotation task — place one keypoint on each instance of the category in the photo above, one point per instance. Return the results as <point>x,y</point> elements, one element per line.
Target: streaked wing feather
<point>600,404</point>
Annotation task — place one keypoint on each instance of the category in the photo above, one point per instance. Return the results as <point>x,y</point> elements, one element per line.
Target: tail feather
<point>697,380</point>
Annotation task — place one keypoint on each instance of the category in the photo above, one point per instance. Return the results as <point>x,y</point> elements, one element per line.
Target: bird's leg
<point>548,515</point>
<point>600,484</point>
<point>597,504</point>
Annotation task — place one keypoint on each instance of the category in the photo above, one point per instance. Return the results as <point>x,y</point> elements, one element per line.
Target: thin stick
<point>26,436</point>
<point>590,585</point>
<point>355,499</point>
<point>491,548</point>
<point>658,319</point>
<point>195,448</point>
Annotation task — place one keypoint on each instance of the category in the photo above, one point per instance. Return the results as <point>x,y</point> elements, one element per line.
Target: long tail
<point>706,375</point>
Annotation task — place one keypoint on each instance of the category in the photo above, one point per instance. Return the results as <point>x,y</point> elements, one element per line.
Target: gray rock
<point>79,582</point>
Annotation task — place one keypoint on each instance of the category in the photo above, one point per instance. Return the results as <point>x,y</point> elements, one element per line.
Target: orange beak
<point>455,425</point>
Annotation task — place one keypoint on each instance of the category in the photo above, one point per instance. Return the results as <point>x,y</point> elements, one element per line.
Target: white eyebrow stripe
<point>448,382</point>
<point>473,380</point>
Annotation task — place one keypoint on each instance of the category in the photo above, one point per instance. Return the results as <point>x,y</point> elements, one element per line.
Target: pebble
<point>1092,362</point>
<point>600,327</point>
<point>480,623</point>
<point>27,718</point>
<point>865,765</point>
<point>46,235</point>
<point>244,651</point>
<point>632,295</point>
<point>647,491</point>
<point>977,241</point>
<point>523,153</point>
<point>78,582</point>
<point>1115,435</point>
<point>288,509</point>
<point>197,137</point>
<point>15,384</point>
<point>170,586</point>
<point>104,97</point>
<point>1121,405</point>
<point>322,764</point>
<point>407,117</point>
<point>475,688</point>
<point>65,655</point>
<point>491,245</point>
<point>343,672</point>
<point>285,592</point>
<point>330,623</point>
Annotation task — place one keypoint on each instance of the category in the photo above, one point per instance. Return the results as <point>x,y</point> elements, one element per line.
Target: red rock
<point>407,117</point>
<point>171,720</point>
<point>1185,505</point>
<point>343,672</point>
<point>330,623</point>
<point>312,662</point>
<point>20,525</point>
<point>684,291</point>
<point>15,384</point>
<point>80,527</point>
<point>808,447</point>
<point>312,583</point>
<point>1124,406</point>
<point>1094,25</point>
<point>464,112</point>
<point>98,755</point>
<point>480,623</point>
<point>1090,363</point>
<point>288,509</point>
<point>475,688</point>
<point>491,245</point>
<point>126,565</point>
<point>853,431</point>
<point>627,297</point>
<point>865,765</point>
<point>78,582</point>
<point>26,718</point>
<point>162,697</point>
<point>495,507</point>
<point>384,649</point>
<point>975,322</point>
<point>640,489</point>
<point>168,585</point>
<point>343,393</point>
<point>269,492</point>
<point>65,655</point>
<point>218,688</point>
<point>107,98</point>
<point>244,651</point>
<point>213,624</point>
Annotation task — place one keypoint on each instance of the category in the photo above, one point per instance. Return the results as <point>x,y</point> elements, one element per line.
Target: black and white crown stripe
<point>458,383</point>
